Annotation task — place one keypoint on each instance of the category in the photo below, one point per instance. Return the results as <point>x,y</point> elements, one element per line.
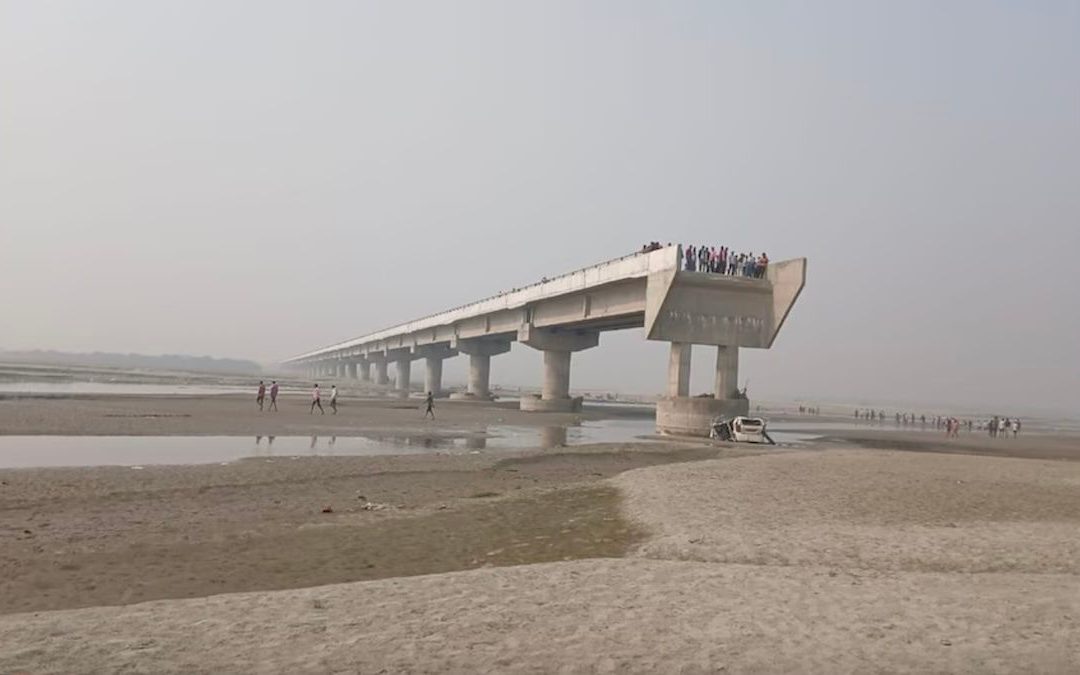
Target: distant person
<point>261,395</point>
<point>1016,427</point>
<point>316,400</point>
<point>273,395</point>
<point>333,398</point>
<point>429,405</point>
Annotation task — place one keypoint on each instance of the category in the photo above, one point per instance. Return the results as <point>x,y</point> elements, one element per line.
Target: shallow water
<point>116,389</point>
<point>52,451</point>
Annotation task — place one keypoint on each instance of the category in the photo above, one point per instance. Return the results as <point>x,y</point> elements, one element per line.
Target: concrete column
<point>351,369</point>
<point>556,375</point>
<point>404,372</point>
<point>380,372</point>
<point>480,375</point>
<point>679,369</point>
<point>341,369</point>
<point>557,346</point>
<point>480,352</point>
<point>433,376</point>
<point>727,372</point>
<point>364,371</point>
<point>434,354</point>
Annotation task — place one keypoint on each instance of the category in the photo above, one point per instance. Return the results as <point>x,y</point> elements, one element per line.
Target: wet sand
<point>111,535</point>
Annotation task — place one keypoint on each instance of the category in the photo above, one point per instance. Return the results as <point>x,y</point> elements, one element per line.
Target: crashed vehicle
<point>740,430</point>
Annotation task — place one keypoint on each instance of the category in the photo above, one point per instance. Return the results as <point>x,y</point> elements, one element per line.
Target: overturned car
<point>740,430</point>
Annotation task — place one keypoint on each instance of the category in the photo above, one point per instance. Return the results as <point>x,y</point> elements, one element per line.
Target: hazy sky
<point>256,179</point>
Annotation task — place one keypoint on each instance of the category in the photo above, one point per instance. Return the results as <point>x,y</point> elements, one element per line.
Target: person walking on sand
<point>261,395</point>
<point>273,395</point>
<point>429,405</point>
<point>316,400</point>
<point>333,398</point>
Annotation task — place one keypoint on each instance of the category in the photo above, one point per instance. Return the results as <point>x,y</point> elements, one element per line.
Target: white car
<point>740,429</point>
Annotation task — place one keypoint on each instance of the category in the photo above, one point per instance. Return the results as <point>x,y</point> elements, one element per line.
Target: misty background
<point>258,179</point>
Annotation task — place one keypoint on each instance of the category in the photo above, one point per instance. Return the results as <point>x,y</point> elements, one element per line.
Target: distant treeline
<point>202,364</point>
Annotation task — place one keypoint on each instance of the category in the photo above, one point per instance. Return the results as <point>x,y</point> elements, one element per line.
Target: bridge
<point>568,313</point>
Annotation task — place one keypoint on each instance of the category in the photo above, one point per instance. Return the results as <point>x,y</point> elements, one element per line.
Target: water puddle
<point>54,451</point>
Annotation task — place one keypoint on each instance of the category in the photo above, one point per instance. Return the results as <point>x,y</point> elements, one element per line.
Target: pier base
<point>694,416</point>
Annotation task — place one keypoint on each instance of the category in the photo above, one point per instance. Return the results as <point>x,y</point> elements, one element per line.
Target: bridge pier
<point>557,347</point>
<point>434,356</point>
<point>679,369</point>
<point>381,377</point>
<point>350,370</point>
<point>480,353</point>
<point>403,365</point>
<point>363,369</point>
<point>679,413</point>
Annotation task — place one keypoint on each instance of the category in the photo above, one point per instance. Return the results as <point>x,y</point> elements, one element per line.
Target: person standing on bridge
<point>429,405</point>
<point>316,400</point>
<point>273,395</point>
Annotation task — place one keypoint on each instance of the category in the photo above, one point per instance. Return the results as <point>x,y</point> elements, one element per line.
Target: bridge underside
<point>568,314</point>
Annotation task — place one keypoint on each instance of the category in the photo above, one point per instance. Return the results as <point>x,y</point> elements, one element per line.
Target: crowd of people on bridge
<point>717,260</point>
<point>722,260</point>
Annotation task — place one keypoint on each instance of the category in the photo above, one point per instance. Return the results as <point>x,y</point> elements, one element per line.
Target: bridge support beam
<point>557,347</point>
<point>363,370</point>
<point>727,372</point>
<point>434,356</point>
<point>381,377</point>
<point>679,369</point>
<point>678,413</point>
<point>480,353</point>
<point>350,370</point>
<point>403,365</point>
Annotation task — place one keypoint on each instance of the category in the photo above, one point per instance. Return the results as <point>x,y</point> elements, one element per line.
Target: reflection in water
<point>40,451</point>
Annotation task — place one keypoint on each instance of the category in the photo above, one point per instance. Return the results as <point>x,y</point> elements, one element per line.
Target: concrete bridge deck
<point>567,313</point>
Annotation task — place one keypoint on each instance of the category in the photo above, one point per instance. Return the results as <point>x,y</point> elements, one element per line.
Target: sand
<point>603,616</point>
<point>859,509</point>
<point>662,558</point>
<point>110,535</point>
